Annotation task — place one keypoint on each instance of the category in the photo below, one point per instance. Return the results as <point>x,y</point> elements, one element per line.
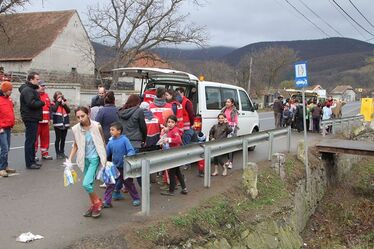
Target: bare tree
<point>268,66</point>
<point>10,6</point>
<point>135,26</point>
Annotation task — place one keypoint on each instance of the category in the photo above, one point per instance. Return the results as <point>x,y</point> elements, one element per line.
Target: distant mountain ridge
<point>306,49</point>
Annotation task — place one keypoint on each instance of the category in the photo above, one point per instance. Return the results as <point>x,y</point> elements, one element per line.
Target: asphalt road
<point>36,200</point>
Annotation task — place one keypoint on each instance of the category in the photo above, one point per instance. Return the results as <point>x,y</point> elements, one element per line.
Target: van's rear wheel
<point>252,148</point>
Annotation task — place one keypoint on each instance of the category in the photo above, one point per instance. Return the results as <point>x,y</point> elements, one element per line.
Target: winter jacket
<point>158,107</point>
<point>31,105</point>
<point>134,126</point>
<point>316,112</point>
<point>97,101</point>
<point>7,118</point>
<point>46,108</point>
<point>219,131</point>
<point>278,106</point>
<point>106,116</point>
<point>60,115</point>
<point>174,137</point>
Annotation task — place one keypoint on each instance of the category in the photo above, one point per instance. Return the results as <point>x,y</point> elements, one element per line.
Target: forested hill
<point>306,49</point>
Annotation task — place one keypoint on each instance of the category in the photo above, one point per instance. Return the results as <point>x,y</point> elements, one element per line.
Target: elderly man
<point>98,100</point>
<point>6,123</point>
<point>31,113</point>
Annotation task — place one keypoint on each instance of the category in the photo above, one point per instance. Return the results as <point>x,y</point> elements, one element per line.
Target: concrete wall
<point>71,92</point>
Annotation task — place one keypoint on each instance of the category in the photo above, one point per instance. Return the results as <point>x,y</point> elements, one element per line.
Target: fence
<point>147,163</point>
<point>335,122</point>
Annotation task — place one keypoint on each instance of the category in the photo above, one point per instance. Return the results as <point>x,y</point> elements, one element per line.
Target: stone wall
<point>282,228</point>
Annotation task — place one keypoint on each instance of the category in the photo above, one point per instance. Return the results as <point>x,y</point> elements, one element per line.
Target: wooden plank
<point>346,146</point>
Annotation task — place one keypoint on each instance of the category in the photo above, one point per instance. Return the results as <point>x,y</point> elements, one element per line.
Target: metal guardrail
<point>144,164</point>
<point>334,122</point>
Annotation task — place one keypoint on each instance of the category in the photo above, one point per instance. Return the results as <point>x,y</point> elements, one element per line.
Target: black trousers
<point>316,124</point>
<point>31,133</point>
<point>175,172</point>
<point>60,140</point>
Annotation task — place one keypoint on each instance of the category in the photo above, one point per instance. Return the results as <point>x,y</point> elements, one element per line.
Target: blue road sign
<point>301,74</point>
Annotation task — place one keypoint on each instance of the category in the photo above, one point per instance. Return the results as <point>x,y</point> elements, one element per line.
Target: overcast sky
<point>240,22</point>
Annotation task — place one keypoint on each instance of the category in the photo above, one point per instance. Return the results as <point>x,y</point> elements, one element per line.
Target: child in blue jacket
<point>118,147</point>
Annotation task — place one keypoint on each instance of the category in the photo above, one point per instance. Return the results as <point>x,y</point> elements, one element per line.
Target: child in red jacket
<point>173,139</point>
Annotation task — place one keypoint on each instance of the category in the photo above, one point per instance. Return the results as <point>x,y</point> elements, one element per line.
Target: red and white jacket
<point>7,118</point>
<point>46,108</point>
<point>186,116</point>
<point>158,110</point>
<point>173,136</point>
<point>149,95</point>
<point>179,115</point>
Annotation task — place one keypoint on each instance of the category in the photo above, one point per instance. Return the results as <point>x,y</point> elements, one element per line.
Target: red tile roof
<point>28,34</point>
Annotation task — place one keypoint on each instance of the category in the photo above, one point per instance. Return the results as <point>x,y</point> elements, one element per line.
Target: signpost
<point>301,81</point>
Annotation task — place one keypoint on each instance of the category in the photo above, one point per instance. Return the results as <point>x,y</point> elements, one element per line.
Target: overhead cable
<point>349,21</point>
<point>315,25</point>
<point>367,31</point>
<point>361,13</point>
<point>318,16</point>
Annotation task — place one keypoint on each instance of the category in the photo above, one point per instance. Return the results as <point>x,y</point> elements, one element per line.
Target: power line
<point>353,18</point>
<point>361,13</point>
<point>318,16</point>
<point>315,25</point>
<point>350,22</point>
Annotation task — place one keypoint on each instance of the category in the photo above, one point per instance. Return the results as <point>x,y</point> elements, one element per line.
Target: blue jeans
<point>31,133</point>
<point>187,136</point>
<point>4,148</point>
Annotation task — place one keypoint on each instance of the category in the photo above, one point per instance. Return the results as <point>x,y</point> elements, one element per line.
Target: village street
<point>37,202</point>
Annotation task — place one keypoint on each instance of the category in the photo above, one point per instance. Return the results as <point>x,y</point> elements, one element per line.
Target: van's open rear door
<point>157,74</point>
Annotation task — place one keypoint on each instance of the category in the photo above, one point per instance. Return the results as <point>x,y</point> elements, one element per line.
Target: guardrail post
<point>271,140</point>
<point>146,195</point>
<point>349,126</point>
<point>207,169</point>
<point>289,139</point>
<point>333,127</point>
<point>245,153</point>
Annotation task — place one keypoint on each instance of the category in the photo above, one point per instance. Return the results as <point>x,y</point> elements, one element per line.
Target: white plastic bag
<point>27,237</point>
<point>70,175</point>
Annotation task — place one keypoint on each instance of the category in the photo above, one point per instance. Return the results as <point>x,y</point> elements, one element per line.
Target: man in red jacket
<point>43,126</point>
<point>6,123</point>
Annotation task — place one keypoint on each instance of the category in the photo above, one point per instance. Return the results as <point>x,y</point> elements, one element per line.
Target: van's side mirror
<point>255,106</point>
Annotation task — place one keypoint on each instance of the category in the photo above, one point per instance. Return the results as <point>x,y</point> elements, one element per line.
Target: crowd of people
<point>159,119</point>
<point>290,112</point>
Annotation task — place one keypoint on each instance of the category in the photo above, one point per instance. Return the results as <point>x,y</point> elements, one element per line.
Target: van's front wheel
<point>252,148</point>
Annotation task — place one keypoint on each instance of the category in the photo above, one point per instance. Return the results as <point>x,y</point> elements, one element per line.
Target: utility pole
<point>250,74</point>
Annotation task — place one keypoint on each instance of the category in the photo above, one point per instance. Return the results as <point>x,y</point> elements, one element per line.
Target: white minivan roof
<point>147,73</point>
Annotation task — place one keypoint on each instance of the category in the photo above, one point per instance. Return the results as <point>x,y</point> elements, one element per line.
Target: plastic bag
<point>70,175</point>
<point>165,146</point>
<point>108,174</point>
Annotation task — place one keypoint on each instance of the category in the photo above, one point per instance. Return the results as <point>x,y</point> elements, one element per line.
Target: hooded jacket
<point>134,126</point>
<point>31,105</point>
<point>6,112</point>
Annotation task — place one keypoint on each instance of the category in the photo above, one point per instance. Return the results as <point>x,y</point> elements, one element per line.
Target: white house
<point>343,92</point>
<point>54,43</point>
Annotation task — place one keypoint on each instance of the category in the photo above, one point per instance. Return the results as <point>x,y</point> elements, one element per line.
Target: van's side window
<point>229,93</point>
<point>244,100</point>
<point>213,98</point>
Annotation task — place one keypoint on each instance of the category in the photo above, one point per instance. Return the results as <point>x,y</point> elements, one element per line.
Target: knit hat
<point>6,86</point>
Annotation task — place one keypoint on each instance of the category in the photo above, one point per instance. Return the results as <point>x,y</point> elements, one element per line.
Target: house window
<point>73,70</point>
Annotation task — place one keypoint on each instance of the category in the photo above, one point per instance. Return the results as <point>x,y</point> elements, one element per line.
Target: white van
<point>207,97</point>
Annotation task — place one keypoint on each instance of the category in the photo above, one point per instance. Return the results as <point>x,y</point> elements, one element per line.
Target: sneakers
<point>107,205</point>
<point>47,157</point>
<point>61,156</point>
<point>10,170</point>
<point>88,213</point>
<point>229,165</point>
<point>96,210</point>
<point>136,203</point>
<point>3,173</point>
<point>167,193</point>
<point>201,173</point>
<point>184,191</point>
<point>116,196</point>
<point>102,185</point>
<point>36,159</point>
